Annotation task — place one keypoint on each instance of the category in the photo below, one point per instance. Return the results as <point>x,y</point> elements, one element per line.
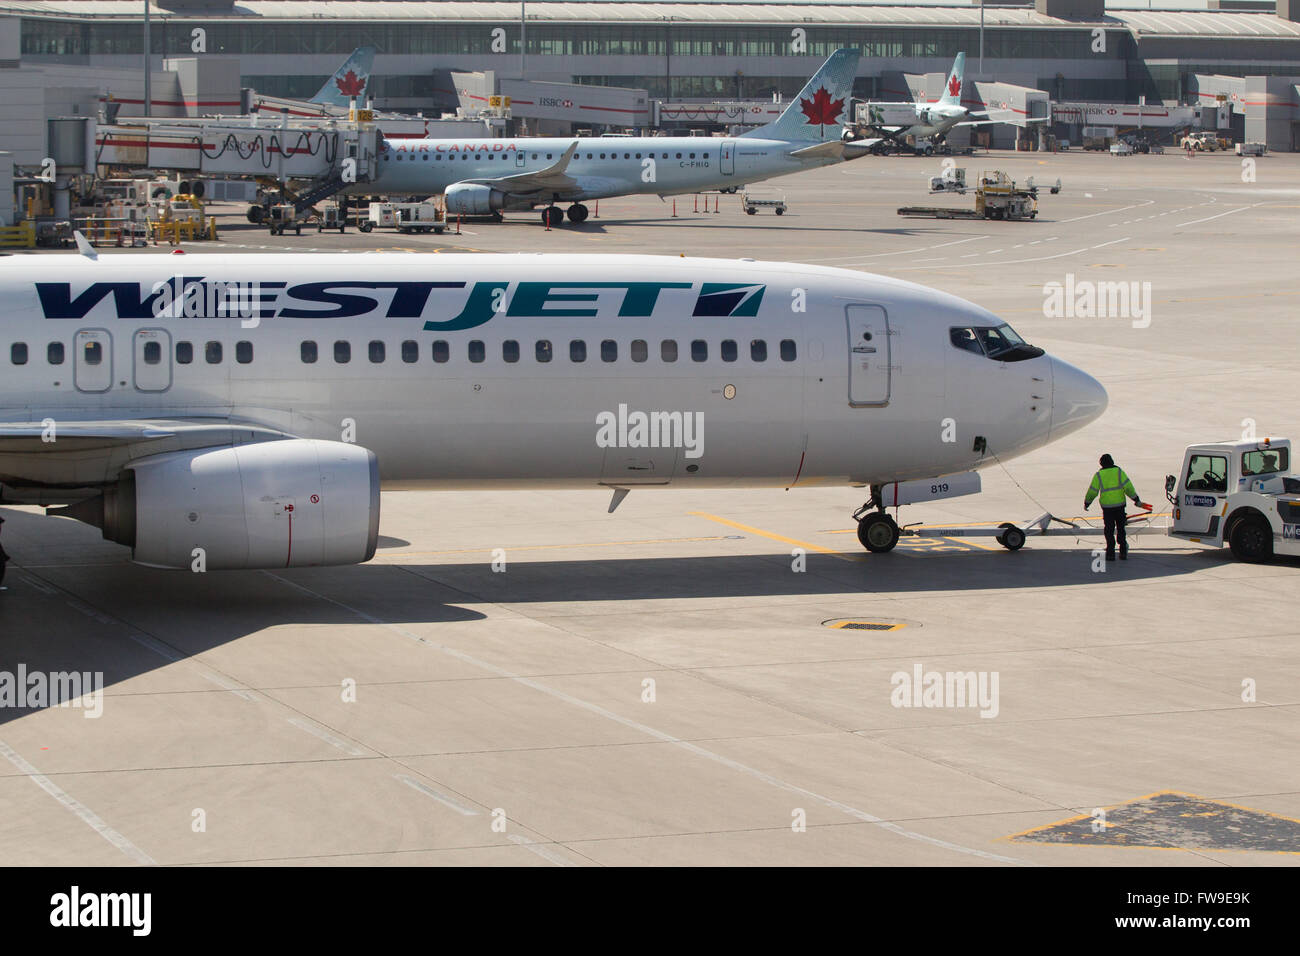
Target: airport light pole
<point>147,50</point>
<point>523,39</point>
<point>981,38</point>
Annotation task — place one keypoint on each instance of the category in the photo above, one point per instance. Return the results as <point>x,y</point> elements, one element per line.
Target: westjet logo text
<point>251,301</point>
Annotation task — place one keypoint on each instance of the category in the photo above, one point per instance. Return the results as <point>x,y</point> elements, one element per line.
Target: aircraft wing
<point>38,458</point>
<point>552,179</point>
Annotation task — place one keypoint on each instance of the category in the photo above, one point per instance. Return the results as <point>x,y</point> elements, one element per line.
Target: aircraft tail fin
<point>820,111</point>
<point>953,88</point>
<point>349,80</point>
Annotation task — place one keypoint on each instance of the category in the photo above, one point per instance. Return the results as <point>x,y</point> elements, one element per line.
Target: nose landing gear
<point>878,532</point>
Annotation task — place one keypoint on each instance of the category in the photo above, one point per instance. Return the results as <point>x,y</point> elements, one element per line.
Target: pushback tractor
<point>1242,494</point>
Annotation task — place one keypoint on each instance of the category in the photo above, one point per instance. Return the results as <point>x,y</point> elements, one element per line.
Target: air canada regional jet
<point>248,410</point>
<point>485,176</point>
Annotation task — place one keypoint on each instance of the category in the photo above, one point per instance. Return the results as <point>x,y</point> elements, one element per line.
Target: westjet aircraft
<point>485,176</point>
<point>244,411</point>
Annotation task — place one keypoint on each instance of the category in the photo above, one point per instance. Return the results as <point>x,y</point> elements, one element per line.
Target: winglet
<point>563,162</point>
<point>83,245</point>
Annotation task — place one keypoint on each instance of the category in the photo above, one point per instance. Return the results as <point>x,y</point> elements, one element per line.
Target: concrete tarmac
<point>660,685</point>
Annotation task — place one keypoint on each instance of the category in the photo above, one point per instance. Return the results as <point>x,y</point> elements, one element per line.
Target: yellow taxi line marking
<point>772,535</point>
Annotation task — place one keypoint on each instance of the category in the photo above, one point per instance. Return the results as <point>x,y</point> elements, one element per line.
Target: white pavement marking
<point>327,737</point>
<point>1107,212</point>
<point>76,806</point>
<point>440,797</point>
<point>900,252</point>
<point>540,850</point>
<point>1219,216</point>
<point>649,731</point>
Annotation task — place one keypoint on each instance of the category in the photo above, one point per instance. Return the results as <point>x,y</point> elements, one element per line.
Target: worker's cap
<point>1106,461</point>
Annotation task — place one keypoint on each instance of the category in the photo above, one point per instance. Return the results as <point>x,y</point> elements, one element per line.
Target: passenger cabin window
<point>544,350</point>
<point>577,351</point>
<point>152,353</point>
<point>639,350</point>
<point>477,350</point>
<point>377,351</point>
<point>307,351</point>
<point>668,350</point>
<point>243,352</point>
<point>184,353</point>
<point>54,353</point>
<point>342,352</point>
<point>441,350</point>
<point>1265,461</point>
<point>212,353</point>
<point>410,351</point>
<point>1208,473</point>
<point>510,350</point>
<point>729,350</point>
<point>758,350</point>
<point>787,350</point>
<point>609,351</point>
<point>999,343</point>
<point>699,351</point>
<point>18,353</point>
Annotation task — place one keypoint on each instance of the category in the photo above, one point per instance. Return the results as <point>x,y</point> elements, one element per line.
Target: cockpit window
<point>1000,343</point>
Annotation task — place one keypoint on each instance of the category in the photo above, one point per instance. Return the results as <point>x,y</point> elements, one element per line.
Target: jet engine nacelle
<point>473,199</point>
<point>276,504</point>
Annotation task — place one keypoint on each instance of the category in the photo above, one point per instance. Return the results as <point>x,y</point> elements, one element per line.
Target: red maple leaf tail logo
<point>821,110</point>
<point>350,84</point>
<point>954,85</point>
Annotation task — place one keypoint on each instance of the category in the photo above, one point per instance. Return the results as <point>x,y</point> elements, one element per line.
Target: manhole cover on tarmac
<point>1174,821</point>
<point>851,625</point>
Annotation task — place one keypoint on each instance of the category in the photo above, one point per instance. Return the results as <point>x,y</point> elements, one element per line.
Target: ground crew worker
<point>1113,486</point>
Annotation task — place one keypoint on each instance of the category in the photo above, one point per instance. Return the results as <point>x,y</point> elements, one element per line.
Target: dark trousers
<point>1115,519</point>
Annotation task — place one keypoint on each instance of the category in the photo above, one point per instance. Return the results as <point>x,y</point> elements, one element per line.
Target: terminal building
<point>601,65</point>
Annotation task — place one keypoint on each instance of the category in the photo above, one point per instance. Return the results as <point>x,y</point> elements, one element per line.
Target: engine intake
<point>277,504</point>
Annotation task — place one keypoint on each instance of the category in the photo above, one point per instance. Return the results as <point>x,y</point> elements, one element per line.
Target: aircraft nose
<point>1077,398</point>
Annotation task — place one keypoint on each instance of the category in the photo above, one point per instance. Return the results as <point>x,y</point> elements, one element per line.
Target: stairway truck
<point>1240,494</point>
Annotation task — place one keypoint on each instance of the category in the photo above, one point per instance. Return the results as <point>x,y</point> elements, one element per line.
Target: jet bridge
<point>329,153</point>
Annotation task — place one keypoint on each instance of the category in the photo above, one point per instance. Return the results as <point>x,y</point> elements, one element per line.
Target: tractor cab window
<point>1265,461</point>
<point>999,343</point>
<point>1208,473</point>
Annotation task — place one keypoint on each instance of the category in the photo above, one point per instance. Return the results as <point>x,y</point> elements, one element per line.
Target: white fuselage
<point>601,167</point>
<point>792,374</point>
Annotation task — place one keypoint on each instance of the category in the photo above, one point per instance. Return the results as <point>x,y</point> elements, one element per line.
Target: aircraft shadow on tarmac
<point>124,621</point>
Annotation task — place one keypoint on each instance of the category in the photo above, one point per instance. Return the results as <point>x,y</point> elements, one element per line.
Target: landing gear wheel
<point>552,216</point>
<point>577,213</point>
<point>1251,540</point>
<point>878,532</point>
<point>1011,538</point>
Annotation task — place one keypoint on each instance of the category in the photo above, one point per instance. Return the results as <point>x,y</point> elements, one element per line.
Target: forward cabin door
<point>728,157</point>
<point>870,355</point>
